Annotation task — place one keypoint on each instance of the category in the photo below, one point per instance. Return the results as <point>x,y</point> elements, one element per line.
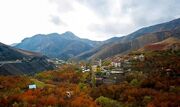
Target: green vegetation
<point>38,83</point>
<point>107,102</point>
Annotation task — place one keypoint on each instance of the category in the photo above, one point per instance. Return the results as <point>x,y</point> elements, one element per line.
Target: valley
<point>135,79</point>
<point>141,69</point>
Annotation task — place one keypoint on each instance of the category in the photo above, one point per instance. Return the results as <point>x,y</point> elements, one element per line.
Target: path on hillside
<point>9,62</point>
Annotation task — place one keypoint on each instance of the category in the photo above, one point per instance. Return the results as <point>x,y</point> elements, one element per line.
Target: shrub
<point>107,102</point>
<point>135,82</point>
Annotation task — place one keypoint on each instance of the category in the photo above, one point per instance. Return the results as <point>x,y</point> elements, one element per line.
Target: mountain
<point>9,53</point>
<point>167,44</point>
<point>18,62</point>
<point>63,46</point>
<point>134,41</point>
<point>14,44</point>
<point>167,26</point>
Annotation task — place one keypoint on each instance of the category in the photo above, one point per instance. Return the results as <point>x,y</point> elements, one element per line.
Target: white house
<point>141,57</point>
<point>116,64</point>
<point>32,86</point>
<point>86,70</point>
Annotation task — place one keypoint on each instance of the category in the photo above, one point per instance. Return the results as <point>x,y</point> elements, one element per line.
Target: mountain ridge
<point>19,62</point>
<point>63,46</point>
<point>135,40</point>
<point>171,43</point>
<point>69,46</point>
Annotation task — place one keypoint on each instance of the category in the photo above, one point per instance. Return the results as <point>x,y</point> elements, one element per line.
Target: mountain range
<point>68,46</point>
<point>134,41</point>
<point>31,55</point>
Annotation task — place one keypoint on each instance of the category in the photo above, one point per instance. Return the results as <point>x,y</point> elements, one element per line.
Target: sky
<point>92,19</point>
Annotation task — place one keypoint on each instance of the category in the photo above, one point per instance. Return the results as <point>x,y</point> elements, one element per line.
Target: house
<point>32,86</point>
<point>117,75</point>
<point>126,64</point>
<point>116,64</point>
<point>99,80</point>
<point>100,62</point>
<point>118,71</point>
<point>86,70</point>
<point>141,57</point>
<point>172,73</point>
<point>83,68</point>
<point>97,62</point>
<point>135,57</point>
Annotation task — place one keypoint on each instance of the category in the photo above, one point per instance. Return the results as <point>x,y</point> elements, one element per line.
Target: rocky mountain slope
<point>18,62</point>
<point>135,40</point>
<point>167,44</point>
<point>63,46</point>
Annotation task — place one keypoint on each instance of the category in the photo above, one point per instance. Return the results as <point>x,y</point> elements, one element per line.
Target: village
<point>103,72</point>
<point>111,71</point>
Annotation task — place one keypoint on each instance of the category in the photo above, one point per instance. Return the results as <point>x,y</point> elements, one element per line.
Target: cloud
<point>149,12</point>
<point>57,21</point>
<point>111,28</point>
<point>101,7</point>
<point>121,16</point>
<point>93,19</point>
<point>63,6</point>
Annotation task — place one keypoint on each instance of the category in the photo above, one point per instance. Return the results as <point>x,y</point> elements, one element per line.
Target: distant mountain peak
<point>68,32</point>
<point>53,34</point>
<point>69,35</point>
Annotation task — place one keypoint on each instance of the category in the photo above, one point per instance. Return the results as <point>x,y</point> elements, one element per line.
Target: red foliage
<point>11,82</point>
<point>155,47</point>
<point>166,100</point>
<point>83,101</point>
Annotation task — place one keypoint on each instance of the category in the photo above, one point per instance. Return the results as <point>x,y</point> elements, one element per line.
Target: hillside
<point>18,62</point>
<point>135,40</point>
<point>167,26</point>
<point>153,82</point>
<point>63,46</point>
<point>167,44</point>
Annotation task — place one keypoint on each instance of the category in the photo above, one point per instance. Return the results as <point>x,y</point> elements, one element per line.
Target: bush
<point>135,82</point>
<point>107,102</point>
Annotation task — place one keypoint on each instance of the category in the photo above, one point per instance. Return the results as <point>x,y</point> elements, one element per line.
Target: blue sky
<point>92,19</point>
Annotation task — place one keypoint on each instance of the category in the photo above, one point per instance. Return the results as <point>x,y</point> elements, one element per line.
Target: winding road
<point>9,62</point>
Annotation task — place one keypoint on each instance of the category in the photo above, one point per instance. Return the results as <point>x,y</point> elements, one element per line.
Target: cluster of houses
<point>126,60</point>
<point>57,62</point>
<point>85,69</point>
<point>111,74</point>
<point>115,72</point>
<point>102,75</point>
